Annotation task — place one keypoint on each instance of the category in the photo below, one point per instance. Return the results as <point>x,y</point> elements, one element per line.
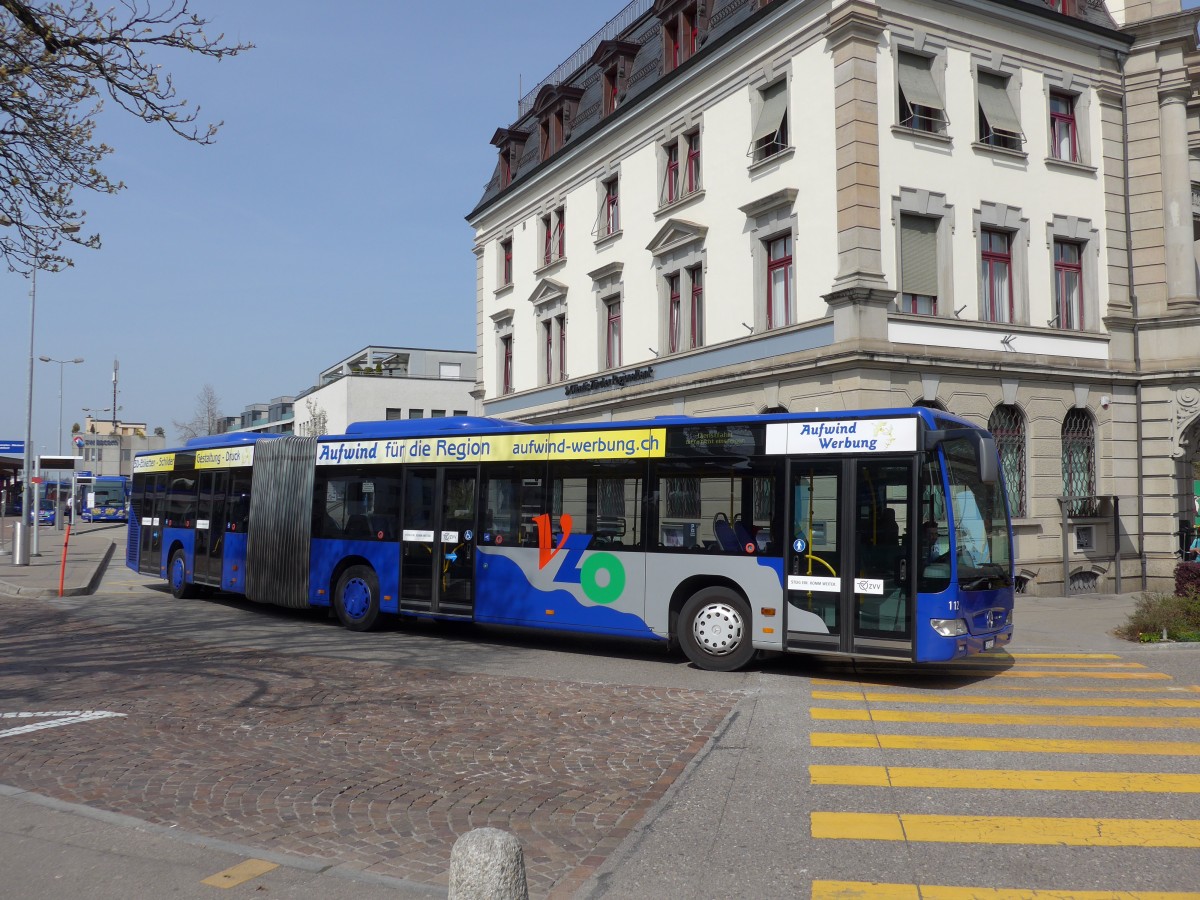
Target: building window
<point>999,124</point>
<point>696,276</point>
<point>674,313</point>
<point>779,281</point>
<point>562,347</point>
<point>461,412</point>
<point>614,59</point>
<point>771,125</point>
<point>1068,285</point>
<point>1064,140</point>
<point>612,96</point>
<point>391,414</point>
<point>691,182</point>
<point>437,414</point>
<point>506,167</point>
<point>612,206</point>
<point>1079,461</point>
<point>506,364</point>
<point>449,370</point>
<point>682,24</point>
<point>1007,426</point>
<point>553,228</point>
<point>416,413</point>
<point>918,265</point>
<point>554,348</point>
<point>995,275</point>
<point>921,104</point>
<point>1066,7</point>
<point>506,262</point>
<point>671,179</point>
<point>612,333</point>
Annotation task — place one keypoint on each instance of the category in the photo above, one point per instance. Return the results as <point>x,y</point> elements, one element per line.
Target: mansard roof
<point>642,40</point>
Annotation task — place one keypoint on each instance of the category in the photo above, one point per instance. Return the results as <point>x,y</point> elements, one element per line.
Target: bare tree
<point>207,418</point>
<point>58,60</point>
<point>318,419</point>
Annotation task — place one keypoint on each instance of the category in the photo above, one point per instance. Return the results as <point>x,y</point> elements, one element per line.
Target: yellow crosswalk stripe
<point>996,672</point>
<point>1063,655</point>
<point>1005,780</point>
<point>1003,745</point>
<point>240,874</point>
<point>1058,688</point>
<point>819,713</point>
<point>897,697</point>
<point>1061,832</point>
<point>867,890</point>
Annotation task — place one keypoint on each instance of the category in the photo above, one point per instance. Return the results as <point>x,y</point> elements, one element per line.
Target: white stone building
<point>728,206</point>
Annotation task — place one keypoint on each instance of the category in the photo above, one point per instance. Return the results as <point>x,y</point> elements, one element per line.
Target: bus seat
<point>742,533</point>
<point>724,534</point>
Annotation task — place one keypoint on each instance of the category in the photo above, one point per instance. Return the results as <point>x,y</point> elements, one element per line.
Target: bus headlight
<point>949,627</point>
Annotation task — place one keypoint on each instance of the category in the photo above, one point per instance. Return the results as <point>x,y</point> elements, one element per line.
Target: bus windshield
<point>107,495</point>
<point>980,521</point>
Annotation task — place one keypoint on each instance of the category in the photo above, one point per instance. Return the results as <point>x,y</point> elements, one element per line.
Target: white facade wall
<point>367,398</point>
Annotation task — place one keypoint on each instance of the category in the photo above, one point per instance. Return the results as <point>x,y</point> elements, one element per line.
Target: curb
<point>24,592</point>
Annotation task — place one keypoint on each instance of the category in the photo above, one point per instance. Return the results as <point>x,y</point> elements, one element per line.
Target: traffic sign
<point>12,448</point>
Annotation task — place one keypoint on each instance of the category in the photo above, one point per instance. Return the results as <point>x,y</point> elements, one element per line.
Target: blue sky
<point>328,216</point>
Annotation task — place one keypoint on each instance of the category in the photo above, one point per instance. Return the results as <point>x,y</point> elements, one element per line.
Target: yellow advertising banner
<point>225,457</point>
<point>634,443</point>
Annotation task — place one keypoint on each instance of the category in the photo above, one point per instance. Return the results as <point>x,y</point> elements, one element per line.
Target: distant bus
<point>105,499</point>
<point>870,533</point>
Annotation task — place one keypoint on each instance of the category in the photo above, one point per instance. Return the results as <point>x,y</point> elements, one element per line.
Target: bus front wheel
<point>714,630</point>
<point>357,598</point>
<point>181,588</point>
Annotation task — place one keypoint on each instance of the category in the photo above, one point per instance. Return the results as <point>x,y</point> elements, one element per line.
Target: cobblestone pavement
<point>368,766</point>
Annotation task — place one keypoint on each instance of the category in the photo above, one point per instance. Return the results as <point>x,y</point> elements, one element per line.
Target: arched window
<point>1079,460</point>
<point>1007,426</point>
<point>931,404</point>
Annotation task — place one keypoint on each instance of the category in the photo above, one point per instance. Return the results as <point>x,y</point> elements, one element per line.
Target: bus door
<point>150,518</point>
<point>210,527</point>
<point>849,584</point>
<point>438,535</point>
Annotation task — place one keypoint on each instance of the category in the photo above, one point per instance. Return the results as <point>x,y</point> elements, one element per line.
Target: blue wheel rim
<point>356,598</point>
<point>177,574</point>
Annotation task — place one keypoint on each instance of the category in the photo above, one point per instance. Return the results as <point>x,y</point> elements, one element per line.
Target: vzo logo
<point>601,575</point>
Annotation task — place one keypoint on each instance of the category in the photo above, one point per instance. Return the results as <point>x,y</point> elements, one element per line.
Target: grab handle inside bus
<point>983,443</point>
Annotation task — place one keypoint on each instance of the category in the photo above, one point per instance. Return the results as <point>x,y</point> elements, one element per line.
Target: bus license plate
<point>989,643</point>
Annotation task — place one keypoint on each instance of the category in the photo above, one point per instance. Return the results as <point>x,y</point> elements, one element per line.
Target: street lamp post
<point>62,364</point>
<point>29,511</point>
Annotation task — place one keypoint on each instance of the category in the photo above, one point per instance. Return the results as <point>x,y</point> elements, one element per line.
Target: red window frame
<point>674,313</point>
<point>672,176</point>
<point>548,332</point>
<point>612,334</point>
<point>611,86</point>
<point>1063,120</point>
<point>1070,309</point>
<point>696,275</point>
<point>671,48</point>
<point>612,206</point>
<point>776,263</point>
<point>562,348</point>
<point>548,229</point>
<point>506,349</point>
<point>506,249</point>
<point>693,162</point>
<point>560,231</point>
<point>989,259</point>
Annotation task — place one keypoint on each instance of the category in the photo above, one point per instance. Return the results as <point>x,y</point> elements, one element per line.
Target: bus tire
<point>714,630</point>
<point>356,598</point>
<point>181,588</point>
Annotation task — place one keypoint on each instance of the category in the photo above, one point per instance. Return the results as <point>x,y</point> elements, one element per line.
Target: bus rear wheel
<point>356,598</point>
<point>181,588</point>
<point>714,630</point>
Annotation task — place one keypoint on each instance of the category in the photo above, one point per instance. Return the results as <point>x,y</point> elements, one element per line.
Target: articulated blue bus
<point>879,533</point>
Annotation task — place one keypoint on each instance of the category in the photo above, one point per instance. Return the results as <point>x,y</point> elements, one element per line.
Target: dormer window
<point>684,24</point>
<point>512,146</point>
<point>555,107</point>
<point>615,61</point>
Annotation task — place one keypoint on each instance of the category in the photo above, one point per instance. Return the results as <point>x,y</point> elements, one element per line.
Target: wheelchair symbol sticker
<point>799,546</point>
<point>467,535</point>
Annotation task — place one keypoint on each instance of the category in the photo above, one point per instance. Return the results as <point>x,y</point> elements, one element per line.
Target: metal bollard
<point>20,547</point>
<point>487,864</point>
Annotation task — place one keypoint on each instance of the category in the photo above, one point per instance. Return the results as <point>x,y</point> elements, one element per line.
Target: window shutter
<point>916,80</point>
<point>993,99</point>
<point>918,255</point>
<point>774,106</point>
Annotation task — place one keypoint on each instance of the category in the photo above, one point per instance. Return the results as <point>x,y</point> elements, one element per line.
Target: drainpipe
<point>1122,58</point>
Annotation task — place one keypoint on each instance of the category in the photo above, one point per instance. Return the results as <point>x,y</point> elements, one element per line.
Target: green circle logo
<point>588,572</point>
